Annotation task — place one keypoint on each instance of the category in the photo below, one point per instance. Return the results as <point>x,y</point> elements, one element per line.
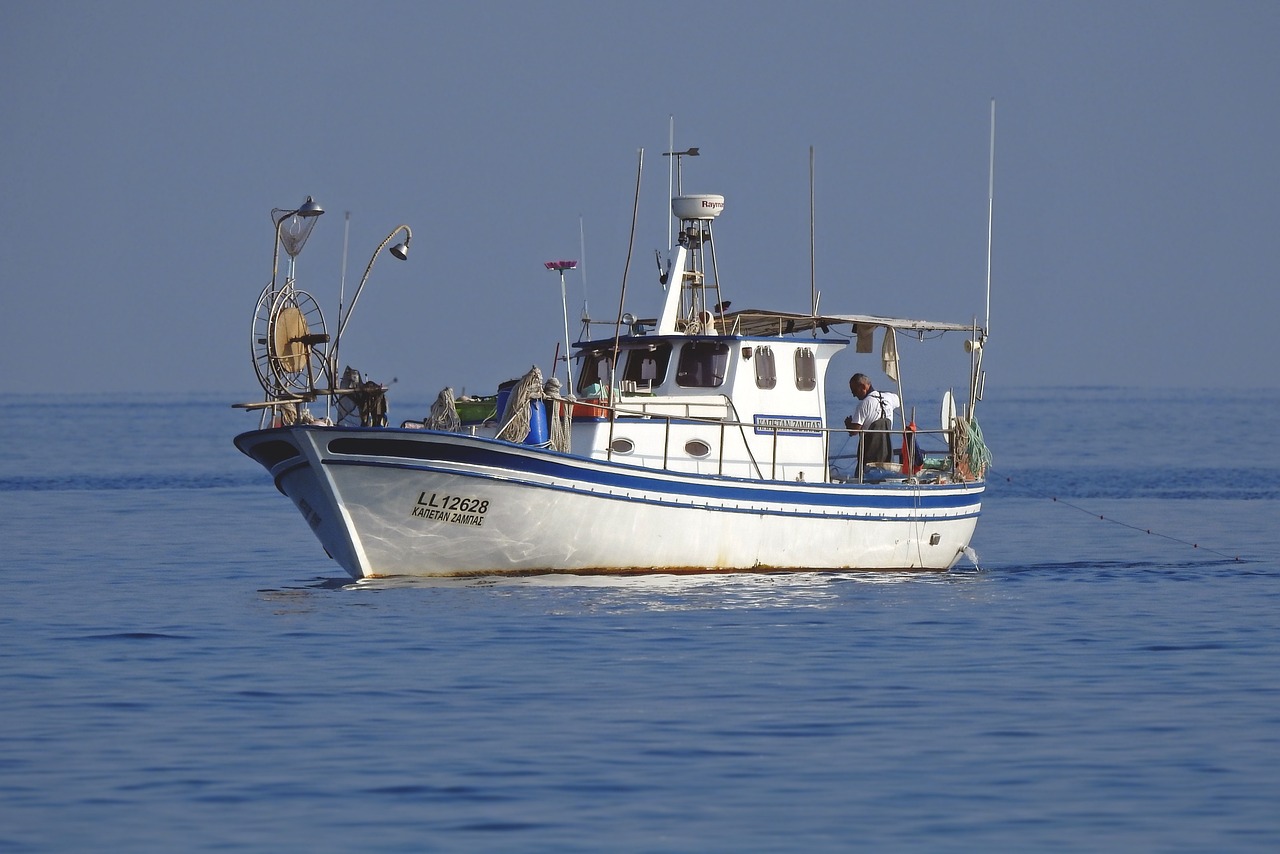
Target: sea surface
<point>182,668</point>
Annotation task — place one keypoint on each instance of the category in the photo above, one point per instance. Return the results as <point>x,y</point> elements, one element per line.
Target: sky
<point>1135,236</point>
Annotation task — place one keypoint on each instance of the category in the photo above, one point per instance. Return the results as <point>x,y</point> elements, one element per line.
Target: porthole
<point>622,446</point>
<point>697,448</point>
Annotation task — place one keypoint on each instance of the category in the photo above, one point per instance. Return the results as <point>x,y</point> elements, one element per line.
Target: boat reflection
<point>704,591</point>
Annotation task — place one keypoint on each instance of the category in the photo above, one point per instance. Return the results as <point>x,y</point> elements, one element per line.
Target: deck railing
<point>935,464</point>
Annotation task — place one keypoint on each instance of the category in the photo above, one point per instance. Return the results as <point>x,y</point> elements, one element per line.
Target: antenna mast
<point>671,179</point>
<point>582,272</point>
<point>560,267</point>
<point>813,293</point>
<point>991,204</point>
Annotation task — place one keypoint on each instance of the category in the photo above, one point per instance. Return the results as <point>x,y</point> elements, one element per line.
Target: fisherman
<point>872,421</point>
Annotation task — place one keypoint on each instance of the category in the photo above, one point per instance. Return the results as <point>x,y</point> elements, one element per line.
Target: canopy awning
<point>758,323</point>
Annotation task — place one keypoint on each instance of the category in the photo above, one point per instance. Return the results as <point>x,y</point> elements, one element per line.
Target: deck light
<point>297,237</point>
<point>309,209</point>
<point>401,251</point>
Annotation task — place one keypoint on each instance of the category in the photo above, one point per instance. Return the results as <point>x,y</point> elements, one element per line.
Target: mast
<point>991,206</point>
<point>813,292</point>
<point>687,266</point>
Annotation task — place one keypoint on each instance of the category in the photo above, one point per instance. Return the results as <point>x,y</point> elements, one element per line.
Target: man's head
<point>860,385</point>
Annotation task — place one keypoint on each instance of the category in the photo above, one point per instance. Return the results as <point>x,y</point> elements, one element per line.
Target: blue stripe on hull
<point>860,510</point>
<point>517,463</point>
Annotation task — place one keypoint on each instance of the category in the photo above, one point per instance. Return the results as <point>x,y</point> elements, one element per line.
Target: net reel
<point>289,339</point>
<point>289,343</point>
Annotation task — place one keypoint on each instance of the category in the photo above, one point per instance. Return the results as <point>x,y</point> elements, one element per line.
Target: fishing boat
<point>697,439</point>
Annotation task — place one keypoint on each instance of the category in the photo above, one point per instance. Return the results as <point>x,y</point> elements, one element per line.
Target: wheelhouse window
<point>593,373</point>
<point>806,370</point>
<point>766,368</point>
<point>647,368</point>
<point>703,364</point>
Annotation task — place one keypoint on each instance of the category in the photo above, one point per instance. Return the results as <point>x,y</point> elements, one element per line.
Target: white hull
<point>415,502</point>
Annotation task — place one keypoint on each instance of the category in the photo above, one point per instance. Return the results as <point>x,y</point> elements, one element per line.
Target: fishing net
<point>971,454</point>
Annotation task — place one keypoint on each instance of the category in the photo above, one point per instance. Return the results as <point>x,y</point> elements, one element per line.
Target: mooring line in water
<point>1056,500</point>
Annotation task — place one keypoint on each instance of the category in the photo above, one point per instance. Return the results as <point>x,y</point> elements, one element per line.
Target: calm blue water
<point>183,670</point>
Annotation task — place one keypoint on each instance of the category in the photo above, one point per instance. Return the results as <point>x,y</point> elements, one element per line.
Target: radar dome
<point>703,206</point>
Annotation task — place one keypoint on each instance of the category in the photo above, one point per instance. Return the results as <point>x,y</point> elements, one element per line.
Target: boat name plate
<point>456,509</point>
<point>788,425</point>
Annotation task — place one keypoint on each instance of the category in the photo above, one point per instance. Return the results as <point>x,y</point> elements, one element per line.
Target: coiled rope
<point>560,416</point>
<point>444,413</point>
<point>515,418</point>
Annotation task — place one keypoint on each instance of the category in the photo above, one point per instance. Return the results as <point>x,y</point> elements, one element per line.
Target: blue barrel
<point>504,394</point>
<point>538,433</point>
